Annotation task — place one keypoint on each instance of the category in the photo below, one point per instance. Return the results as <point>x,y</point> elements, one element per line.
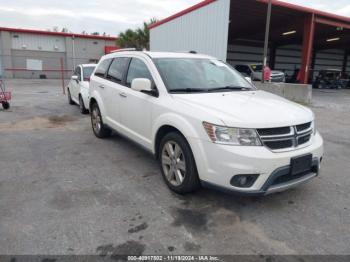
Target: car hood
<point>276,72</point>
<point>249,109</point>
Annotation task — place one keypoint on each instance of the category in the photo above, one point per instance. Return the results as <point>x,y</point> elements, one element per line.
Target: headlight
<point>232,136</point>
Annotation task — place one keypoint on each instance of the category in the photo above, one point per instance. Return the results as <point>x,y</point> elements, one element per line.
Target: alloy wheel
<point>96,120</point>
<point>173,163</point>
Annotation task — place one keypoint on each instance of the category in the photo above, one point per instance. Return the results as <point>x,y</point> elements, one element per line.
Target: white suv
<point>205,123</point>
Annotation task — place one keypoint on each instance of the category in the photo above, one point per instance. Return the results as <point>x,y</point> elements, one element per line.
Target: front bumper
<point>218,164</point>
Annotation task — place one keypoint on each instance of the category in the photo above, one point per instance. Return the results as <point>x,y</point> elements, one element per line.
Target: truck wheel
<point>177,164</point>
<point>100,130</point>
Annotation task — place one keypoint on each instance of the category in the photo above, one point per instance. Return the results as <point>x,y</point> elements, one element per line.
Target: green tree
<point>138,38</point>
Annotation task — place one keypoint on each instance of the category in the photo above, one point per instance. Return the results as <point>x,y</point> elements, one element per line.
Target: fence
<point>39,65</point>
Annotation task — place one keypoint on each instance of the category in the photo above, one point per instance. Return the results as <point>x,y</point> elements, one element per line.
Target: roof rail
<point>186,51</point>
<point>127,49</point>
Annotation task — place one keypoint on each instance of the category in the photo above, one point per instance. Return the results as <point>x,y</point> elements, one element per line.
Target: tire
<point>82,108</point>
<point>70,101</point>
<point>100,130</point>
<point>180,178</point>
<point>6,105</point>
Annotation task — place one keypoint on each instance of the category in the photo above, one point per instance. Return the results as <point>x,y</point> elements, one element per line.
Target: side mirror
<point>141,84</point>
<point>75,77</point>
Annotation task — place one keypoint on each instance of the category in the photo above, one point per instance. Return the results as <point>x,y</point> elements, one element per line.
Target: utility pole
<point>73,51</point>
<point>266,43</point>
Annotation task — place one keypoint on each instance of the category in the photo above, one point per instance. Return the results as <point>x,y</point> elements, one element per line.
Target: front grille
<point>303,127</point>
<point>275,145</point>
<point>274,131</point>
<point>286,138</point>
<point>304,139</point>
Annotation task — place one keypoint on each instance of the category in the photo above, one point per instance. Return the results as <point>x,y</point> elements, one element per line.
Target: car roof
<point>88,65</point>
<point>160,54</point>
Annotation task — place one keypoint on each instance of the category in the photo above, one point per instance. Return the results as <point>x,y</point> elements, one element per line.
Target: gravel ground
<point>63,191</point>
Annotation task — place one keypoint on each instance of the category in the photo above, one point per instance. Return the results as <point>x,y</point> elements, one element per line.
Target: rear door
<point>101,83</point>
<point>135,106</point>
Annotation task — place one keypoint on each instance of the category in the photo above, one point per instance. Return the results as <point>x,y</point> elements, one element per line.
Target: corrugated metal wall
<point>288,58</point>
<point>204,30</point>
<point>329,59</point>
<point>38,42</point>
<point>49,60</point>
<point>243,54</point>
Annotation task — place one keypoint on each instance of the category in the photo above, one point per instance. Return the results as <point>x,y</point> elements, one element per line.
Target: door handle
<point>122,94</point>
<point>101,86</point>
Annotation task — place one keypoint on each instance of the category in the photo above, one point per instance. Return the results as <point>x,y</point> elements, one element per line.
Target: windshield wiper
<point>230,88</point>
<point>188,90</point>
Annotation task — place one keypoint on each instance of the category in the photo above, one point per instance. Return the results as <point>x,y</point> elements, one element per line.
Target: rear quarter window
<point>102,68</point>
<point>118,69</point>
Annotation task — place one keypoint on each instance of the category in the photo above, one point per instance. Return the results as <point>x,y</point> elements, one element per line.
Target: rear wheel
<point>100,130</point>
<point>6,105</point>
<point>177,164</point>
<point>70,101</point>
<point>82,108</point>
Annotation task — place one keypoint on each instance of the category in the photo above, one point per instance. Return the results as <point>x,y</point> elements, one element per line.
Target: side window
<point>138,69</point>
<point>77,72</point>
<point>117,69</point>
<point>102,68</point>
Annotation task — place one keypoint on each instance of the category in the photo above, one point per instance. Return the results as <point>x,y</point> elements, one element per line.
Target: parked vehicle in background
<point>330,78</point>
<point>204,122</point>
<point>78,87</point>
<point>255,72</point>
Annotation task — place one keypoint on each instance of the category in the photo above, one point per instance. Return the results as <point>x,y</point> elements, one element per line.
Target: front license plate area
<point>300,164</point>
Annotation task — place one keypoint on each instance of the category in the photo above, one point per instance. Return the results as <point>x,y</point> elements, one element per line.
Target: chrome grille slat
<point>292,138</point>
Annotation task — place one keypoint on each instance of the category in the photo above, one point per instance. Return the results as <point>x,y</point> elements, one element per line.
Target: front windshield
<point>199,75</point>
<point>257,68</point>
<point>87,71</point>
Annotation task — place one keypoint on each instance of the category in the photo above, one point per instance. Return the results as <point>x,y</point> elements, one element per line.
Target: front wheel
<point>177,164</point>
<point>100,130</point>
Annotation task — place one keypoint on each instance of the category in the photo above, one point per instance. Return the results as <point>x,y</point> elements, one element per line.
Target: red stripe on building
<point>41,32</point>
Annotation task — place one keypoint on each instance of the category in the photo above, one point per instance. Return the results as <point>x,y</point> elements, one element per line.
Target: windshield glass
<point>257,68</point>
<point>87,71</point>
<point>199,75</point>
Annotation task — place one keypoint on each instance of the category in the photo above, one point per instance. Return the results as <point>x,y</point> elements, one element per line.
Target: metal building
<point>42,54</point>
<point>234,30</point>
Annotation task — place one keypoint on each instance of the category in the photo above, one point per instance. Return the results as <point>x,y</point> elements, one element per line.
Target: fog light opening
<point>244,181</point>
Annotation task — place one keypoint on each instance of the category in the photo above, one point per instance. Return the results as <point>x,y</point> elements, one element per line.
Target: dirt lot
<point>63,191</point>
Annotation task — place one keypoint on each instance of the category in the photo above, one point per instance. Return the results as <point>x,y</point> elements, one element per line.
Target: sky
<point>111,16</point>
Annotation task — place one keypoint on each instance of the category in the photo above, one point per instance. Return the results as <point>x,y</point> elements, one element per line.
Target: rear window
<point>102,68</point>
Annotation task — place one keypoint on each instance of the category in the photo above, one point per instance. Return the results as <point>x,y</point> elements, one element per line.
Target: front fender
<point>176,121</point>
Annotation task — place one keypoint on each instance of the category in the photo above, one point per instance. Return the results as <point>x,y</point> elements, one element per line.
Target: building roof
<point>184,12</point>
<point>42,32</point>
<point>274,2</point>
